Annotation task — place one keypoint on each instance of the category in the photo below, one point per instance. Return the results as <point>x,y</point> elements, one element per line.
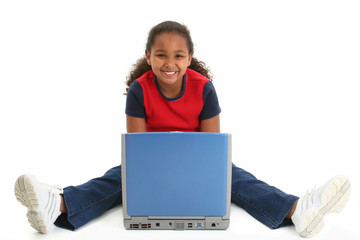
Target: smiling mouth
<point>169,73</point>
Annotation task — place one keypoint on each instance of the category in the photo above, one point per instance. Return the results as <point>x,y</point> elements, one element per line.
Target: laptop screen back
<point>176,174</point>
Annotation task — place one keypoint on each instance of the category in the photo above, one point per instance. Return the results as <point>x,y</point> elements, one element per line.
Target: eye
<point>161,55</point>
<point>179,56</point>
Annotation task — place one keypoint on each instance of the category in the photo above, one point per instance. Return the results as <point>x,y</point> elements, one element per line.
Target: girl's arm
<point>210,125</point>
<point>134,124</point>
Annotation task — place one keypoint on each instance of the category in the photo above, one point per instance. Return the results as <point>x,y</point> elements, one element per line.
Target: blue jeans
<point>265,203</point>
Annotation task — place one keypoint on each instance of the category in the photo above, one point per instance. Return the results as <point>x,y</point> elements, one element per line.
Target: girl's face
<point>169,58</point>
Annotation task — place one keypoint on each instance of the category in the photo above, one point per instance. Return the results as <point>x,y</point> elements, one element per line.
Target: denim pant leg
<point>89,200</point>
<point>265,203</point>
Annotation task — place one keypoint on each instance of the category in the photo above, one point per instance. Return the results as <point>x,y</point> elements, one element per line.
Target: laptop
<point>176,180</point>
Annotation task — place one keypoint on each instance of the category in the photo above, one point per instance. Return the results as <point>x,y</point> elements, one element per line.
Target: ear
<point>147,54</point>
<point>190,59</point>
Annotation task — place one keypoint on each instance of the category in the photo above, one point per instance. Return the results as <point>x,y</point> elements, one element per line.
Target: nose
<point>169,63</point>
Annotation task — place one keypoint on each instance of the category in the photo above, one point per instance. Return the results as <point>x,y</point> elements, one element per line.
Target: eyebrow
<point>161,50</point>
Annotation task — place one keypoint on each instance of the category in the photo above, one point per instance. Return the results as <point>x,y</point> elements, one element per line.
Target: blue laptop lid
<point>176,174</point>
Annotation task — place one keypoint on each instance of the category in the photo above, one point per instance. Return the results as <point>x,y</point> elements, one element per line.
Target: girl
<point>169,90</point>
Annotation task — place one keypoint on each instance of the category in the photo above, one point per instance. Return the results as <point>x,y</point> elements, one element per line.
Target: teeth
<point>170,73</point>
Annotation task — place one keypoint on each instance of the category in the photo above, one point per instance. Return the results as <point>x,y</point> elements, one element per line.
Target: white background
<point>287,74</point>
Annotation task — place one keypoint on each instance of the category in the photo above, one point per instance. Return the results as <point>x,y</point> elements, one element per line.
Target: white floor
<point>342,226</point>
<point>286,74</point>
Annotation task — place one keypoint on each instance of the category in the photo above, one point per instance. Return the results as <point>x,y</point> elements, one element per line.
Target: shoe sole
<point>26,195</point>
<point>340,185</point>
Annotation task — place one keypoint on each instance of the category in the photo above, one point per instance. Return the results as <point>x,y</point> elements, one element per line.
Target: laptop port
<point>158,224</point>
<point>179,226</point>
<point>213,225</point>
<point>190,225</point>
<point>134,225</point>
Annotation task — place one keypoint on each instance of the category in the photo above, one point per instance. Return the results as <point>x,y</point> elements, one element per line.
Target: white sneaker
<point>43,202</point>
<point>312,207</point>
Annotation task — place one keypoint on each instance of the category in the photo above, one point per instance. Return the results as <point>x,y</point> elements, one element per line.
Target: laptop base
<point>143,223</point>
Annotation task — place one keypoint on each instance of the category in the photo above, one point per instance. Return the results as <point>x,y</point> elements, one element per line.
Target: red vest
<point>178,115</point>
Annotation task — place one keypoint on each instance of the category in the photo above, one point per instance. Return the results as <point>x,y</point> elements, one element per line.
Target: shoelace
<point>51,206</point>
<point>311,190</point>
<point>313,197</point>
<point>308,199</point>
<point>53,188</point>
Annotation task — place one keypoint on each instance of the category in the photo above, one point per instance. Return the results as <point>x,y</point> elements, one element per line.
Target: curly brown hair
<point>141,66</point>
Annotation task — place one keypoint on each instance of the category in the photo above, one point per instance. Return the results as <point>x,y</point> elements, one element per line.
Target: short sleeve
<point>211,107</point>
<point>135,101</point>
